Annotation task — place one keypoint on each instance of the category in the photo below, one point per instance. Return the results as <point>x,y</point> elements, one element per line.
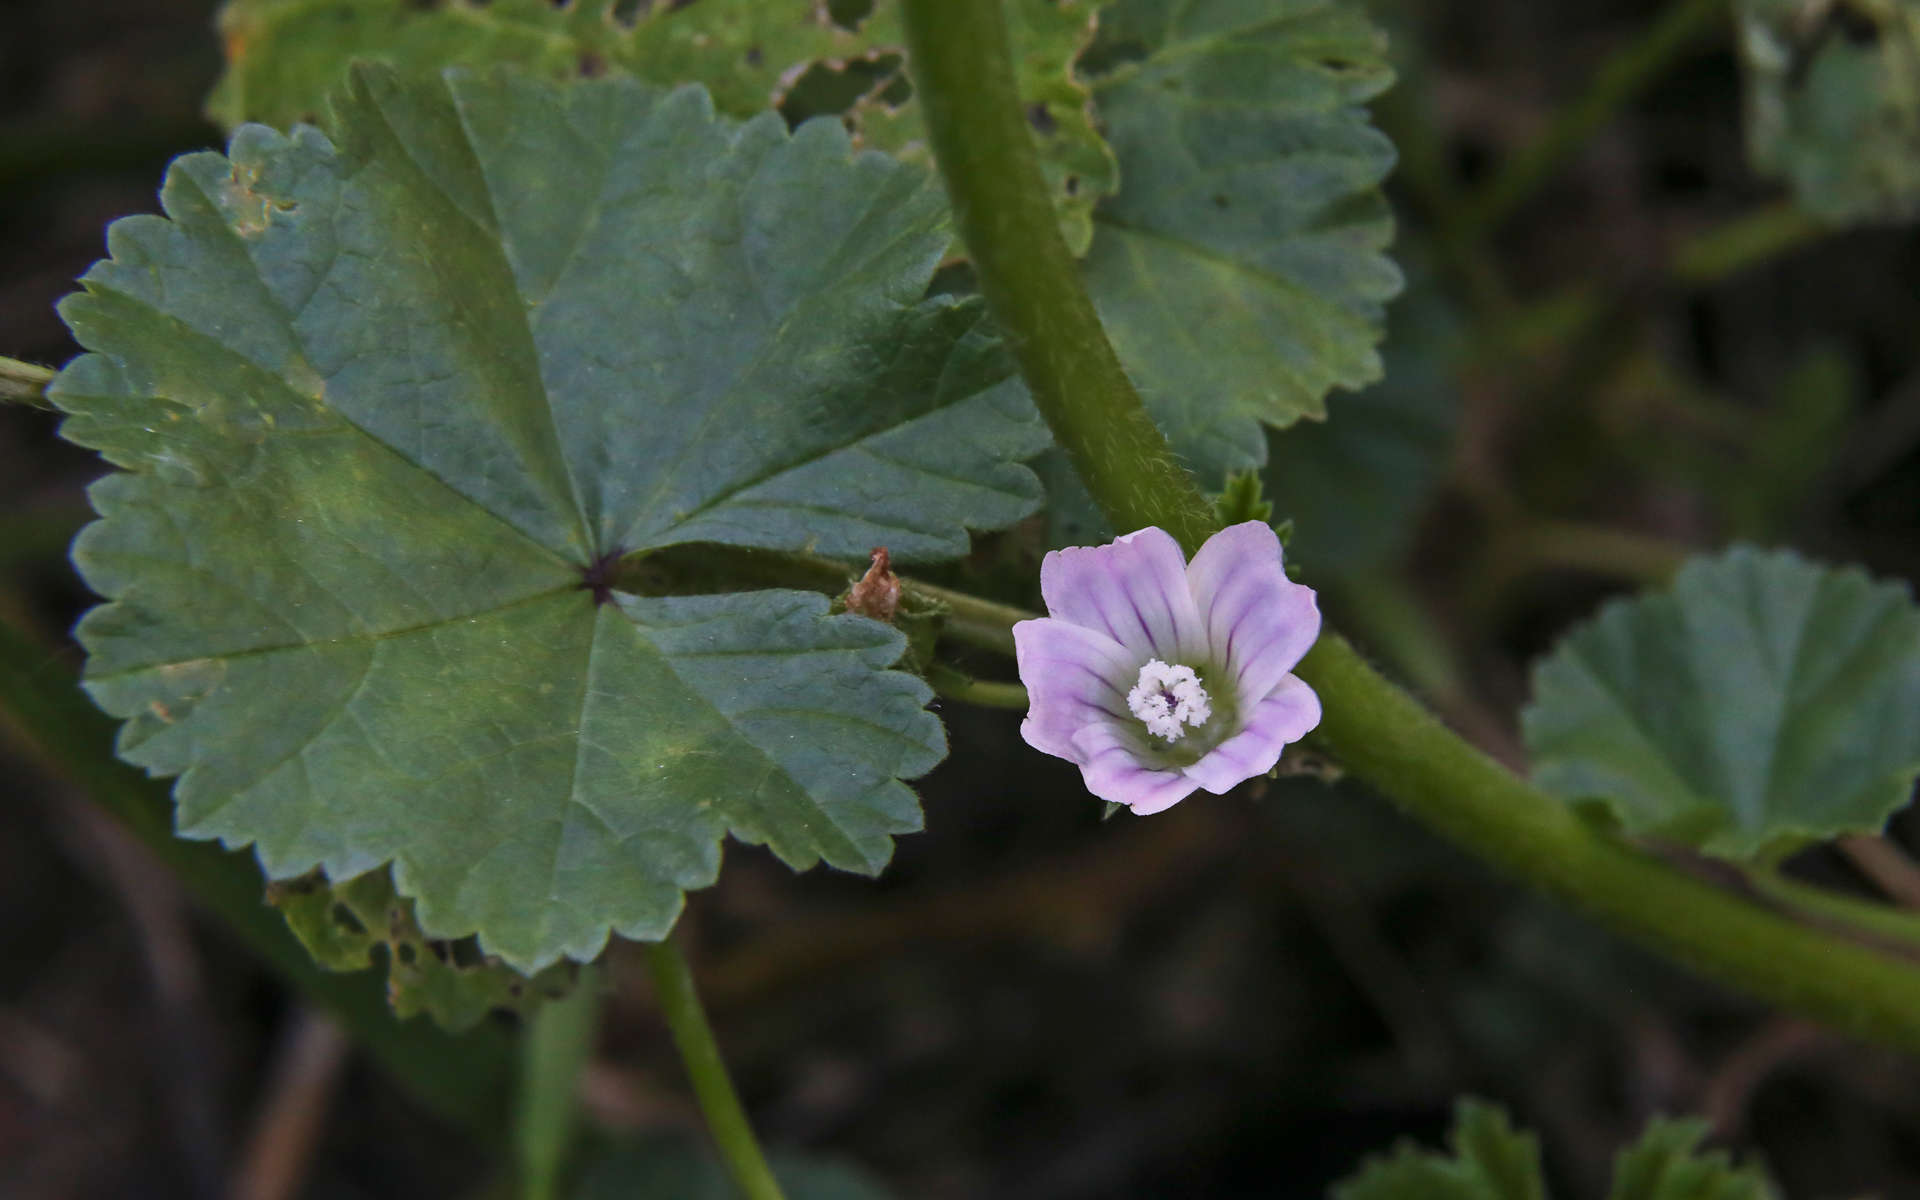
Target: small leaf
<point>389,412</point>
<point>1490,1161</point>
<point>1762,701</point>
<point>342,925</point>
<point>1666,1164</point>
<point>285,56</point>
<point>1240,270</point>
<point>1243,499</point>
<point>1833,104</point>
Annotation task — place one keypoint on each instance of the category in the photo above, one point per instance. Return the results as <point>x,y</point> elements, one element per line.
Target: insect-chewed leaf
<point>1762,701</point>
<point>386,411</point>
<point>1240,269</point>
<point>284,56</point>
<point>1833,103</point>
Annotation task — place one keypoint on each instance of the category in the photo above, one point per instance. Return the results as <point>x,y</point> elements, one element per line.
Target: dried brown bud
<point>877,595</point>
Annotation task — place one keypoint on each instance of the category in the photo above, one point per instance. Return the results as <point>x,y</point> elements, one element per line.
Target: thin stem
<point>462,1078</point>
<point>960,56</point>
<point>1743,242</point>
<point>1621,78</point>
<point>547,1111</point>
<point>726,1120</point>
<point>24,382</point>
<point>954,685</point>
<point>969,619</point>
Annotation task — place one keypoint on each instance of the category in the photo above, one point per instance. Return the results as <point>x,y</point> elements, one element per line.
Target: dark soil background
<point>1240,998</point>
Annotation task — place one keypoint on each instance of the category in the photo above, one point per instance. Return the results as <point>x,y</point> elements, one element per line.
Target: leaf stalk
<point>719,1103</point>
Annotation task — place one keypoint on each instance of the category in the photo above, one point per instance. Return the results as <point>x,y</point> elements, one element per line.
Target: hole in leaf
<point>754,56</point>
<point>628,12</point>
<point>1041,119</point>
<point>1072,185</point>
<point>825,89</point>
<point>463,953</point>
<point>849,14</point>
<point>898,92</point>
<point>343,916</point>
<point>592,66</point>
<point>404,952</point>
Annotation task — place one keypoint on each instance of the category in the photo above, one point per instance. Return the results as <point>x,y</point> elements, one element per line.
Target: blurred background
<point>1622,350</point>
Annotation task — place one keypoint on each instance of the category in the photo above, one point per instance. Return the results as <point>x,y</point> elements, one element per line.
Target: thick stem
<point>963,73</point>
<point>960,63</point>
<point>719,1103</point>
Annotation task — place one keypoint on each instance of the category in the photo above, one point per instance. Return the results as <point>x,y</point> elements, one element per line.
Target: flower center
<point>1169,697</point>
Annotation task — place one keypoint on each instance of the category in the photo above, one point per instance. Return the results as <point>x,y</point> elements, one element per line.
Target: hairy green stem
<point>463,1078</point>
<point>23,382</point>
<point>961,68</point>
<point>546,1117</point>
<point>719,1103</point>
<point>1032,283</point>
<point>1621,78</point>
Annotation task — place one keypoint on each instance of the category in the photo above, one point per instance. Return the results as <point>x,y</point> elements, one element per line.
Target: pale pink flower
<point>1157,676</point>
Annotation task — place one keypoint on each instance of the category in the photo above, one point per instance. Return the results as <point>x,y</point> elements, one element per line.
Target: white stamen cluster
<point>1168,697</point>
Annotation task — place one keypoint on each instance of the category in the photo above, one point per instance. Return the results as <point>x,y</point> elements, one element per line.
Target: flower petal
<point>1074,676</point>
<point>1258,621</point>
<point>1113,772</point>
<point>1283,717</point>
<point>1133,589</point>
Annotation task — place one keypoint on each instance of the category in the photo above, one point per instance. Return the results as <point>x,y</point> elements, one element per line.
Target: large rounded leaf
<point>387,412</point>
<point>1764,700</point>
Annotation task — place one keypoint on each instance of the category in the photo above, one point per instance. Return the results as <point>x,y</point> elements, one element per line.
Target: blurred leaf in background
<point>1833,103</point>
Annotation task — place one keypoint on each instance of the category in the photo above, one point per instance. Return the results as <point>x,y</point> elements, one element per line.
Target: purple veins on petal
<point>1134,588</point>
<point>1259,622</point>
<point>1113,771</point>
<point>1286,716</point>
<point>1074,675</point>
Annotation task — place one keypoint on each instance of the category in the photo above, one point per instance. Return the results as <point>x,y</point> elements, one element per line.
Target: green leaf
<point>1763,700</point>
<point>1355,483</point>
<point>671,1168</point>
<point>342,925</point>
<point>285,56</point>
<point>1490,1161</point>
<point>1242,499</point>
<point>1241,270</point>
<point>1665,1164</point>
<point>1833,103</point>
<point>387,412</point>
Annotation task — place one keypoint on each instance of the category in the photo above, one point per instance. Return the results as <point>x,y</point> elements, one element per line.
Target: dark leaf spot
<point>1041,120</point>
